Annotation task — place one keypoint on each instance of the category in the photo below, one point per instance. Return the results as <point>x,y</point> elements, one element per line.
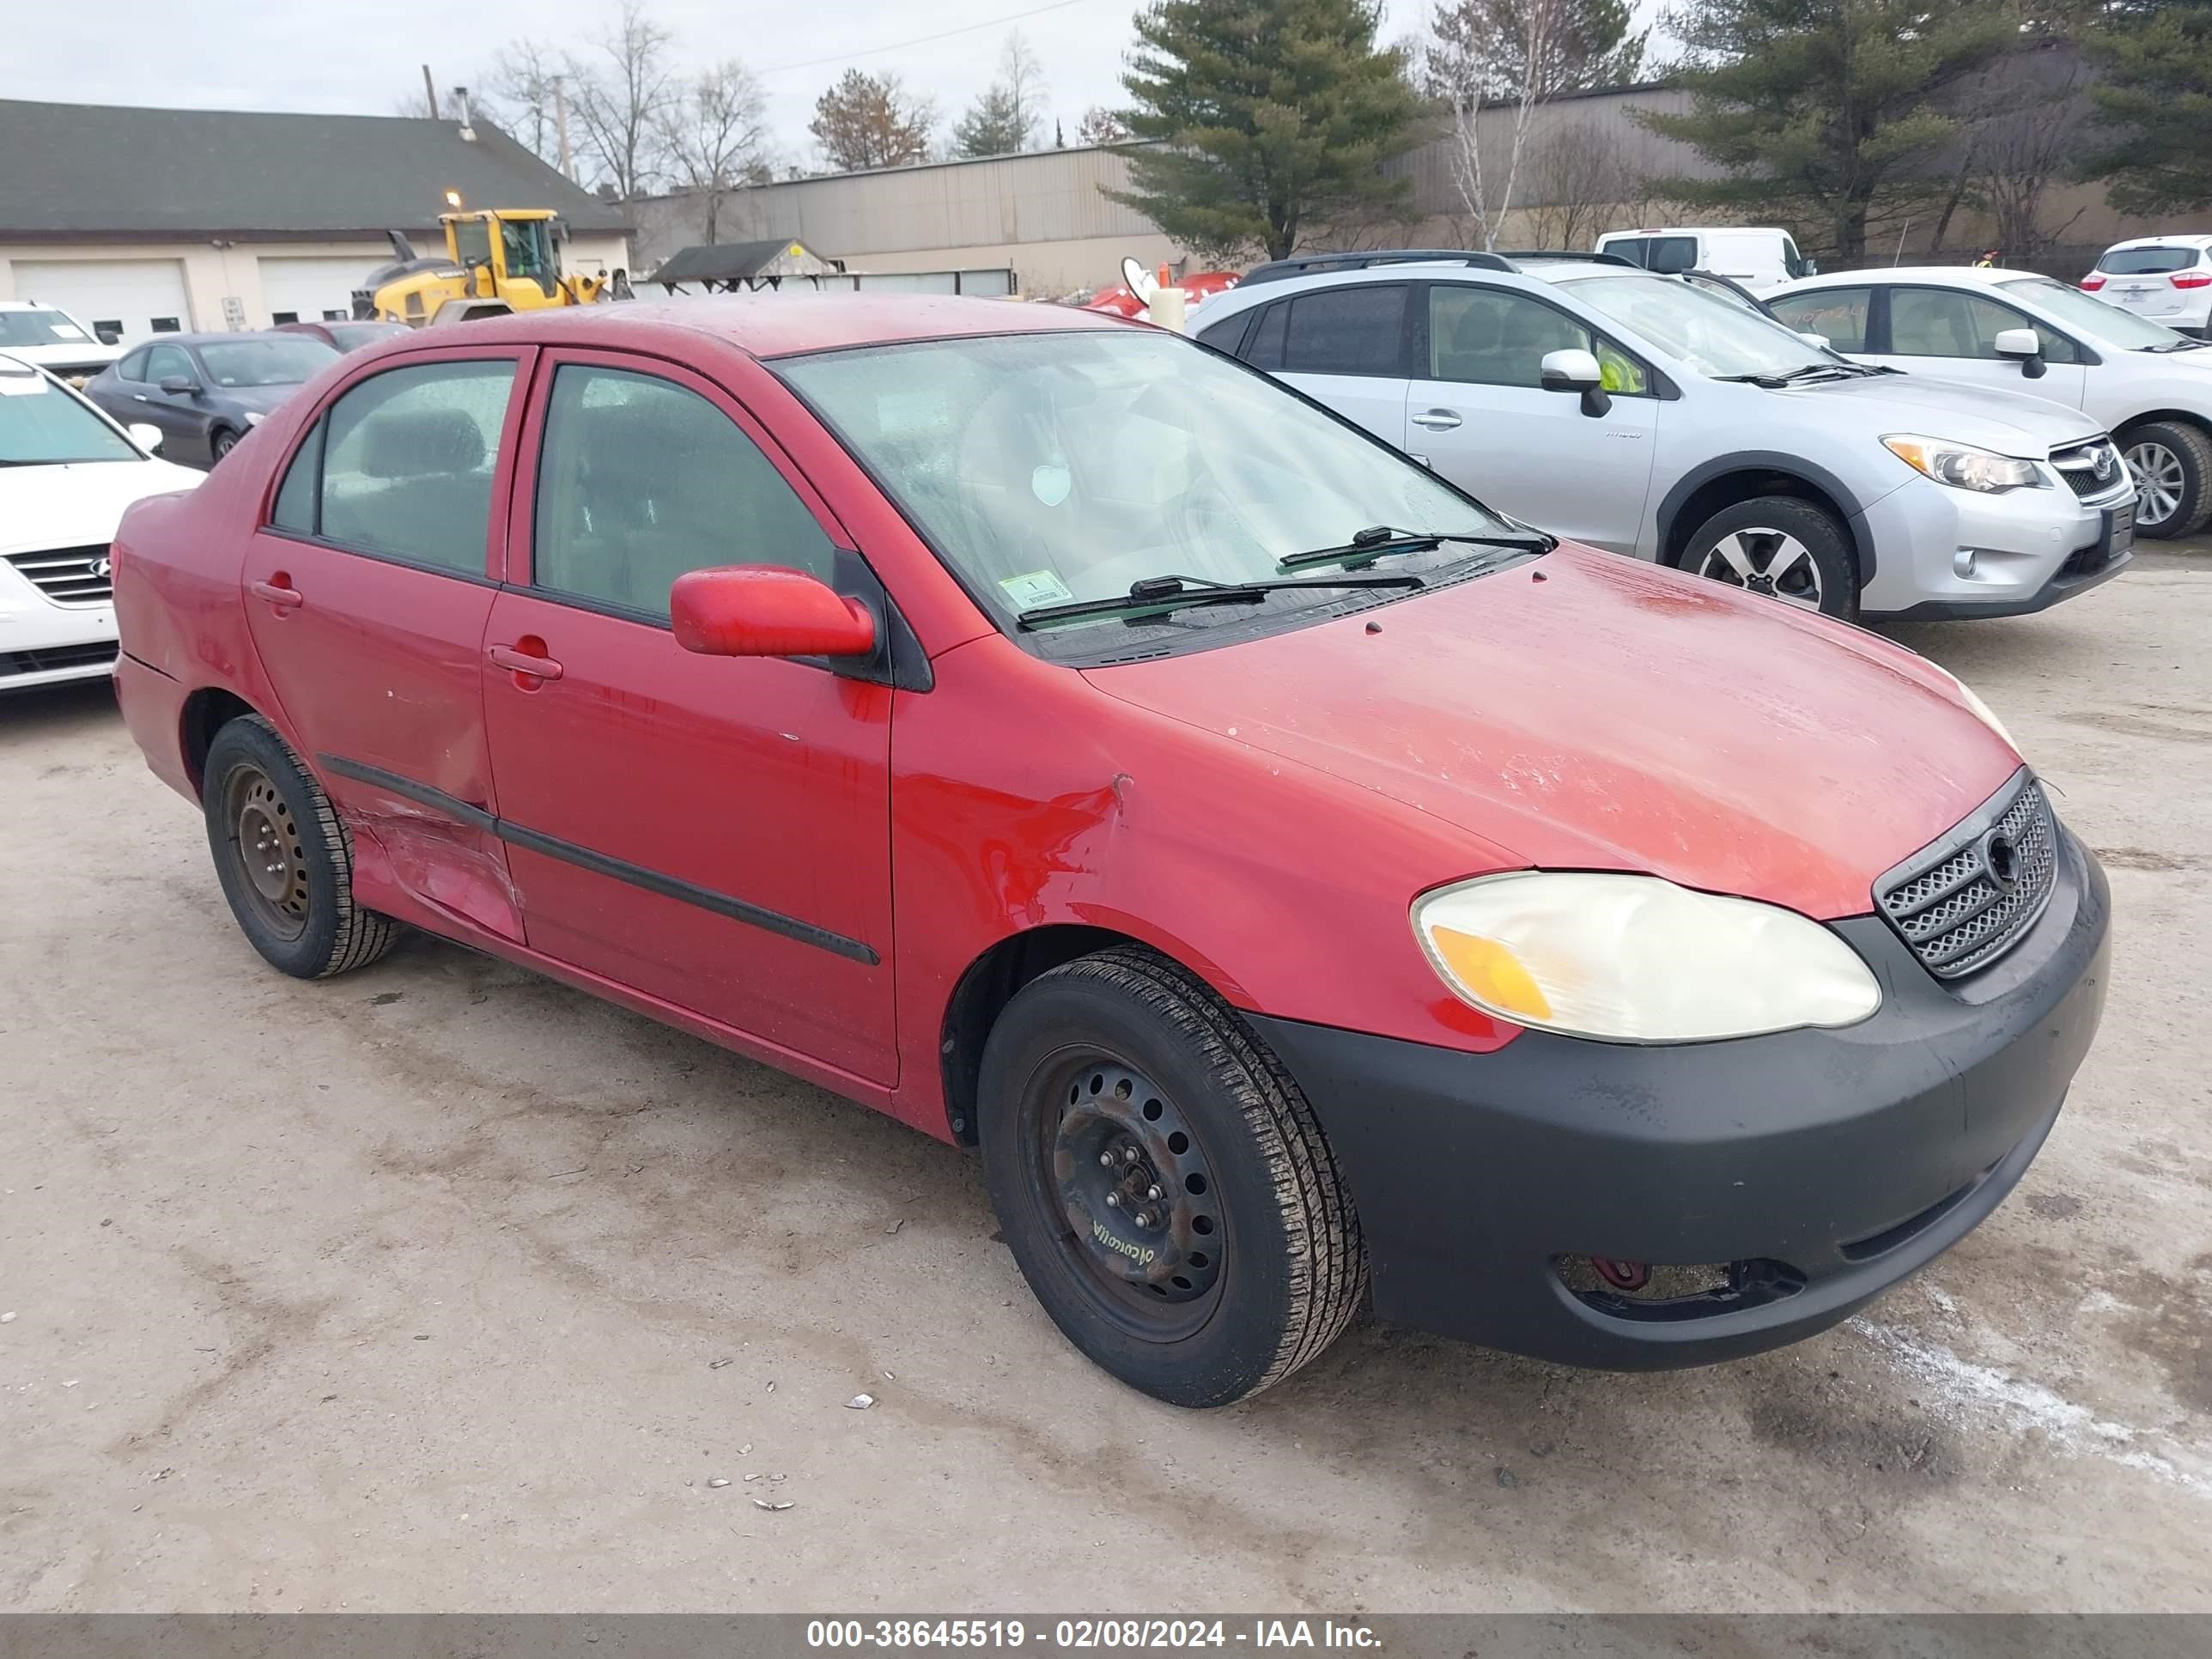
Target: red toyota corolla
<point>1055,734</point>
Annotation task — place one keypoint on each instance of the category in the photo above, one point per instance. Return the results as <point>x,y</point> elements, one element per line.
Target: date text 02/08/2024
<point>1080,1634</point>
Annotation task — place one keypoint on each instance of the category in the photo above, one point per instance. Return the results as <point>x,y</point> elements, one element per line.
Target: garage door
<point>303,290</point>
<point>138,296</point>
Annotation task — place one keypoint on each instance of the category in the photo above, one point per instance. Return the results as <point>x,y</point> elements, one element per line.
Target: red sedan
<point>1296,879</point>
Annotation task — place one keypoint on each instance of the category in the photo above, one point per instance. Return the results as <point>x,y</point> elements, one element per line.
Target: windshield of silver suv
<point>1049,469</point>
<point>41,425</point>
<point>1715,337</point>
<point>2109,323</point>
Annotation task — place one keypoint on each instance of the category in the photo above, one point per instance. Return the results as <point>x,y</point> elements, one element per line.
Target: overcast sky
<point>285,55</point>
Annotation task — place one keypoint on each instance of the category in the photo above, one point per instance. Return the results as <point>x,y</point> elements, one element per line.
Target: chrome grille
<point>1963,903</point>
<point>69,575</point>
<point>2078,466</point>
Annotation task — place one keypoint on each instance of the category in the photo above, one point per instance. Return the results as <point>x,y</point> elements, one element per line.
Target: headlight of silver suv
<point>1635,959</point>
<point>1962,465</point>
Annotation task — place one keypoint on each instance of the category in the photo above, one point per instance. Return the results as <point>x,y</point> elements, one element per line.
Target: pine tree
<point>2154,107</point>
<point>1270,120</point>
<point>1825,113</point>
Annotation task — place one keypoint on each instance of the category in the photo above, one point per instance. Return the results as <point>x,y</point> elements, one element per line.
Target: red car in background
<point>1294,875</point>
<point>1199,286</point>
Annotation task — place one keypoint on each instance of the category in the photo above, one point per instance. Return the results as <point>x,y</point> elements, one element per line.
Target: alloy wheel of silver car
<point>2161,482</point>
<point>1765,561</point>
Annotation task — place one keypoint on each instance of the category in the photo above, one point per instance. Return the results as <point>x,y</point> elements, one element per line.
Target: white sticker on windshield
<point>1037,587</point>
<point>66,330</point>
<point>21,386</point>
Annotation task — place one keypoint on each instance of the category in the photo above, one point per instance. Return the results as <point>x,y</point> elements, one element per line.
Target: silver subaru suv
<point>1664,418</point>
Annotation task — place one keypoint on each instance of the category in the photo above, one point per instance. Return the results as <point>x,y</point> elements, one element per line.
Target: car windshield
<point>42,425</point>
<point>1055,467</point>
<point>2078,310</point>
<point>40,328</point>
<point>1713,336</point>
<point>265,362</point>
<point>2146,261</point>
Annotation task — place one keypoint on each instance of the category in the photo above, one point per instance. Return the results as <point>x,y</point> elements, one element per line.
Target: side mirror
<point>1812,267</point>
<point>1576,371</point>
<point>2025,348</point>
<point>181,386</point>
<point>109,336</point>
<point>1811,339</point>
<point>146,435</point>
<point>765,611</point>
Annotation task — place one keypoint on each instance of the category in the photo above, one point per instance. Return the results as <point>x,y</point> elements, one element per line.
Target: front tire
<point>1163,1183</point>
<point>283,858</point>
<point>1781,547</point>
<point>2173,465</point>
<point>222,442</point>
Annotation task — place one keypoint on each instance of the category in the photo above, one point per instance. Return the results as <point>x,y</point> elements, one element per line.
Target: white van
<point>1760,256</point>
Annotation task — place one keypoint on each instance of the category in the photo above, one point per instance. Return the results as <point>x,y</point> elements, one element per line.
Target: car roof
<point>1534,279</point>
<point>780,325</point>
<point>2177,240</point>
<point>1698,230</point>
<point>1971,275</point>
<point>209,337</point>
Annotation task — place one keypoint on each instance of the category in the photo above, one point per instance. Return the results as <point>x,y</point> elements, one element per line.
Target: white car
<point>66,473</point>
<point>1760,256</point>
<point>2013,331</point>
<point>54,340</point>
<point>1650,416</point>
<point>2167,279</point>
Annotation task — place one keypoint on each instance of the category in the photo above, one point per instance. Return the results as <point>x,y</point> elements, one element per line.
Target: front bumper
<point>2030,549</point>
<point>1823,1166</point>
<point>42,643</point>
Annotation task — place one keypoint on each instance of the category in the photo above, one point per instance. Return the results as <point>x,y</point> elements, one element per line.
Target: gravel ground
<point>439,1286</point>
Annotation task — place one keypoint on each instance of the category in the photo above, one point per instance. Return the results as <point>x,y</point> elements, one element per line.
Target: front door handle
<point>278,593</point>
<point>1436,420</point>
<point>532,664</point>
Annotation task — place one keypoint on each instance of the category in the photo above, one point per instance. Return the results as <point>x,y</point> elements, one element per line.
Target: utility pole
<point>430,91</point>
<point>561,127</point>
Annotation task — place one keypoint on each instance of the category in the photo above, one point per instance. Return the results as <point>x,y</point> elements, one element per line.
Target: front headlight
<point>1636,959</point>
<point>1962,465</point>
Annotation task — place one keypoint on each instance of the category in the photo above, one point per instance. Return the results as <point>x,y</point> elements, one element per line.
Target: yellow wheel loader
<point>497,260</point>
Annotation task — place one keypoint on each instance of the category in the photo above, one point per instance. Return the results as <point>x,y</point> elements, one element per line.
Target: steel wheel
<point>2161,481</point>
<point>1117,1166</point>
<point>1767,560</point>
<point>271,855</point>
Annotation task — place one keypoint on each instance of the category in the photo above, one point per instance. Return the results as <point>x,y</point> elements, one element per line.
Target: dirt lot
<point>441,1287</point>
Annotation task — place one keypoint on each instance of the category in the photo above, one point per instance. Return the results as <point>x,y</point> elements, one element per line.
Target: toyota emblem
<point>2001,858</point>
<point>103,566</point>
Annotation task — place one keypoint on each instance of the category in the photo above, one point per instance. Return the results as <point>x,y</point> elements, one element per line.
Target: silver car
<point>1652,416</point>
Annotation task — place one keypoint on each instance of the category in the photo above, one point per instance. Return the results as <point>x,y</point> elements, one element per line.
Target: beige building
<point>150,222</point>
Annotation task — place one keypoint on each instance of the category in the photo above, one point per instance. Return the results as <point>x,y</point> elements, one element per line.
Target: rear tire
<point>1784,548</point>
<point>1162,1182</point>
<point>2173,463</point>
<point>283,858</point>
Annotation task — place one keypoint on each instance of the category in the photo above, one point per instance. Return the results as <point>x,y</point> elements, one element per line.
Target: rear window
<point>1667,255</point>
<point>2147,261</point>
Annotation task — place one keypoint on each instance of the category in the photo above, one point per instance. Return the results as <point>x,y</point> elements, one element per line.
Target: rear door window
<point>408,463</point>
<point>1357,329</point>
<point>1837,315</point>
<point>1266,349</point>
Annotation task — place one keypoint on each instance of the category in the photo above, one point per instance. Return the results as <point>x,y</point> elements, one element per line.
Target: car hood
<point>2009,423</point>
<point>77,504</point>
<point>1589,712</point>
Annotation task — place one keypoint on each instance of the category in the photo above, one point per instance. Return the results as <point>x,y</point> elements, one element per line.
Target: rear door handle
<point>1436,420</point>
<point>283,597</point>
<point>524,662</point>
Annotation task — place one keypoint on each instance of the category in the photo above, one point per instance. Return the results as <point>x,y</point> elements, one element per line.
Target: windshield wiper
<point>2177,345</point>
<point>1766,382</point>
<point>1378,540</point>
<point>1158,595</point>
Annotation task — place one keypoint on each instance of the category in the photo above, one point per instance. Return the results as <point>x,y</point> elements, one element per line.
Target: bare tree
<point>2027,143</point>
<point>716,137</point>
<point>1478,51</point>
<point>1006,117</point>
<point>1580,175</point>
<point>622,91</point>
<point>870,121</point>
<point>1101,126</point>
<point>1022,74</point>
<point>517,94</point>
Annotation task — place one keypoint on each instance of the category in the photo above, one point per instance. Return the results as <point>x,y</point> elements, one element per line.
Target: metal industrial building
<point>158,221</point>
